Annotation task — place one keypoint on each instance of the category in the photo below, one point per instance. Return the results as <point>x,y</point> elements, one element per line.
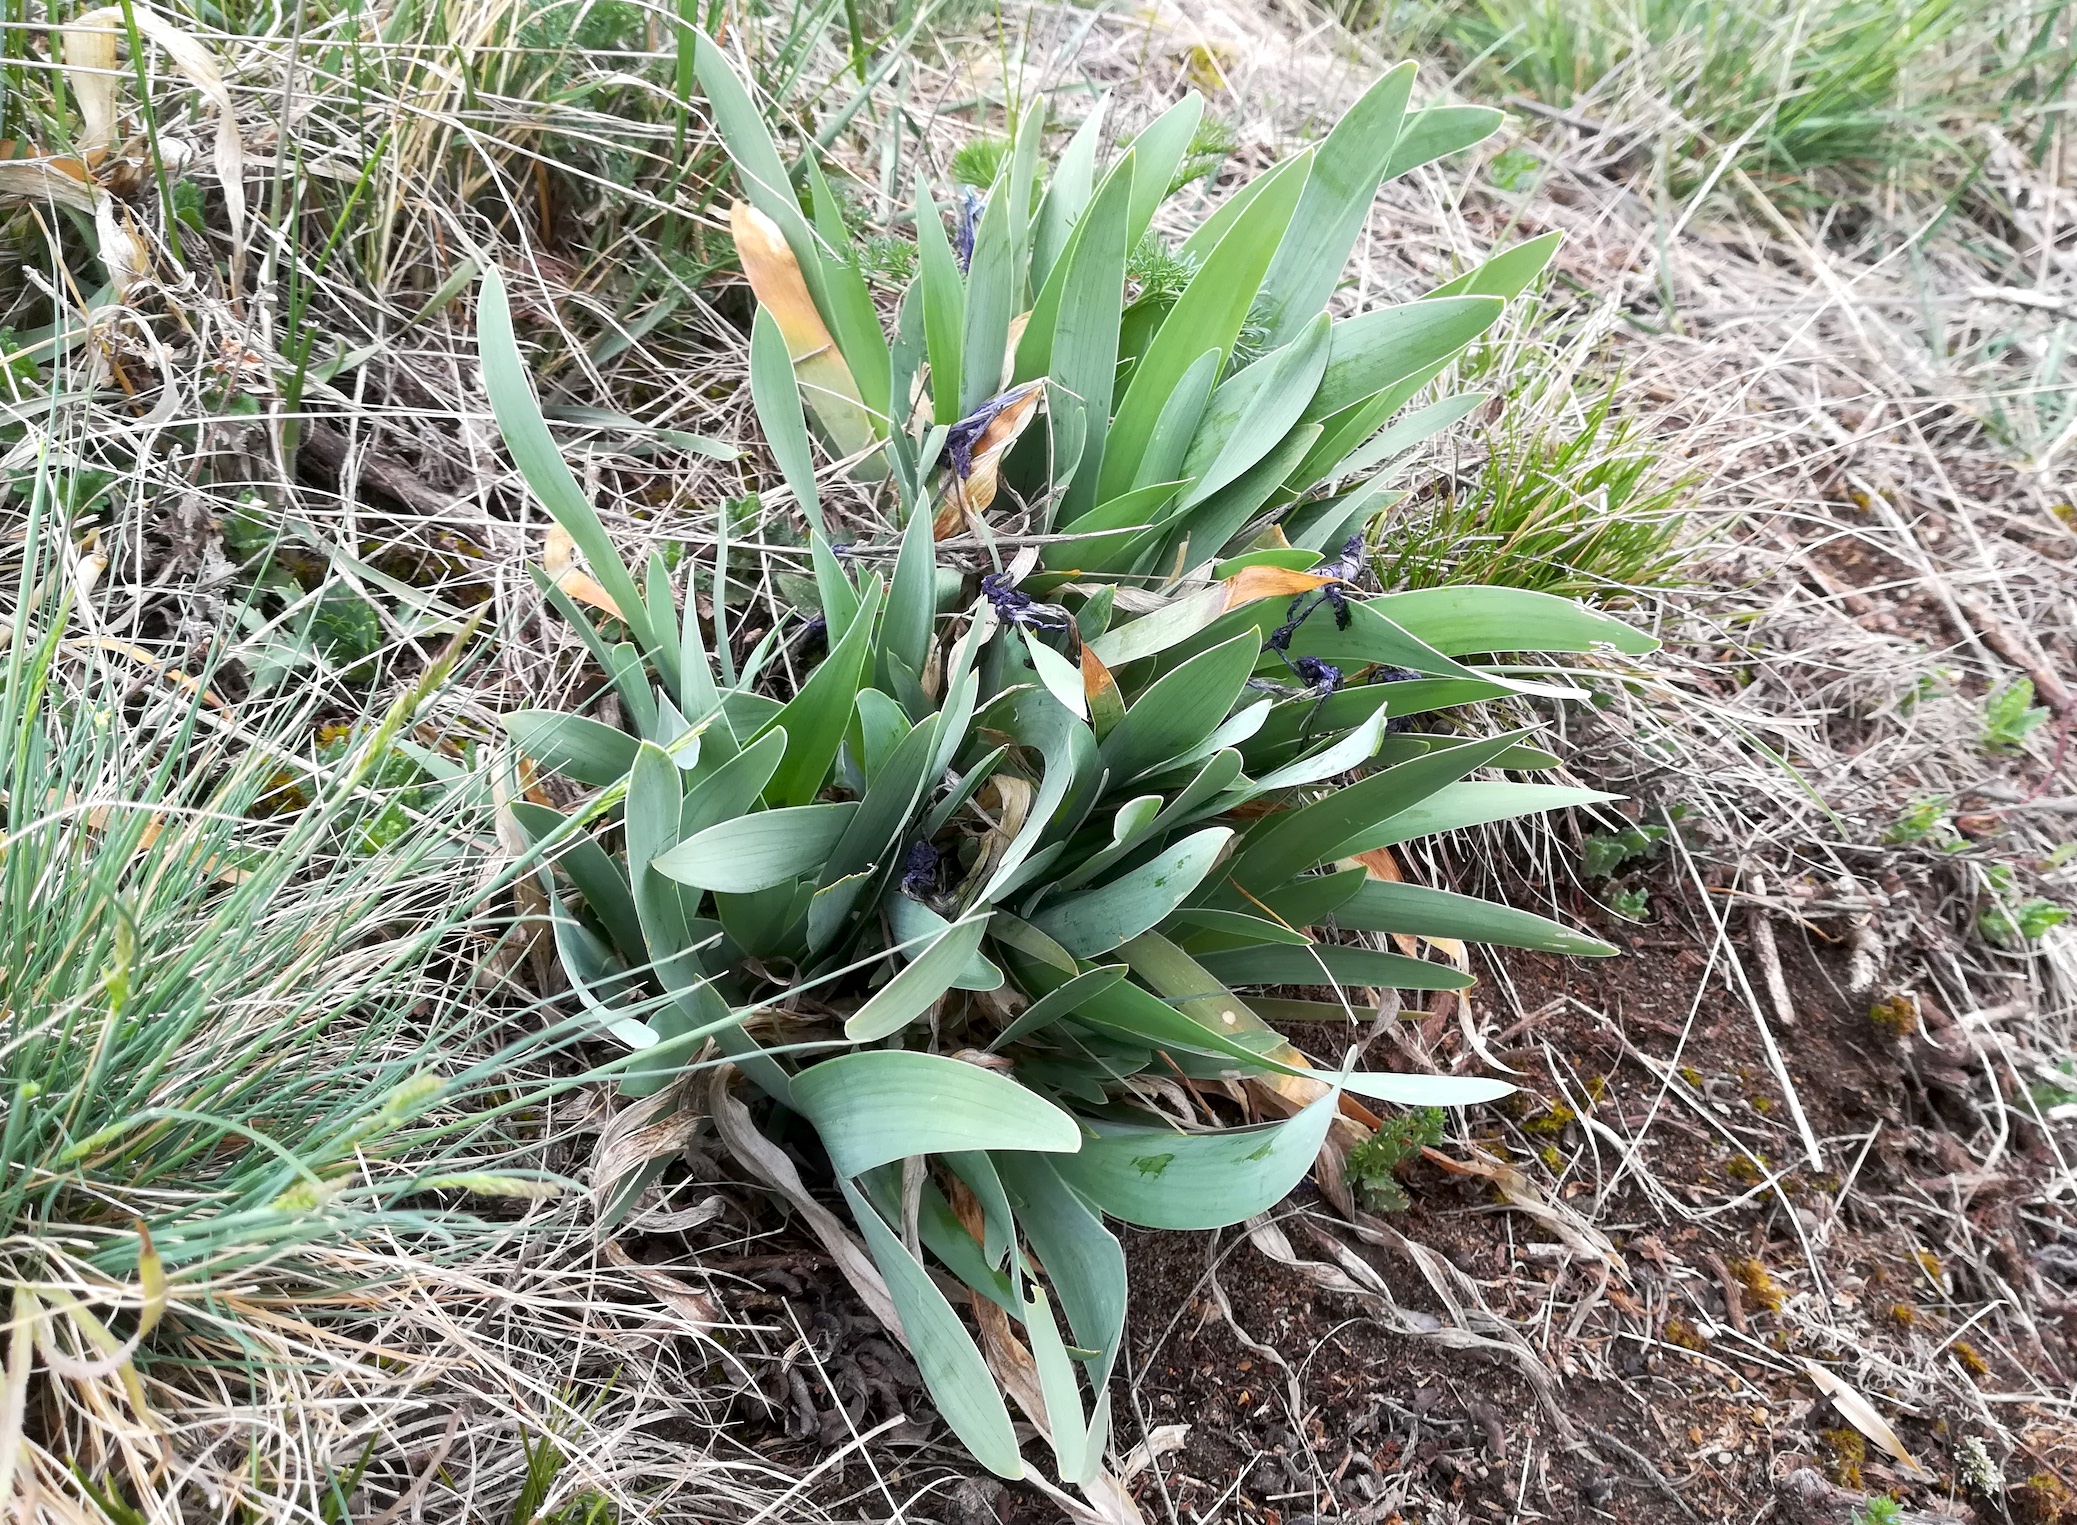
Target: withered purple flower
<point>961,438</point>
<point>1013,606</point>
<point>1319,677</point>
<point>1346,567</point>
<point>971,205</point>
<point>920,874</point>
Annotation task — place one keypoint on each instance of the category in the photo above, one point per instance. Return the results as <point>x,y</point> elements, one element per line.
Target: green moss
<point>1895,1016</point>
<point>1971,1359</point>
<point>1762,1290</point>
<point>1849,1453</point>
<point>1748,1170</point>
<point>1678,1331</point>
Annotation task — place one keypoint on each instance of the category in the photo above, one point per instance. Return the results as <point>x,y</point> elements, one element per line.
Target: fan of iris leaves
<point>987,895</point>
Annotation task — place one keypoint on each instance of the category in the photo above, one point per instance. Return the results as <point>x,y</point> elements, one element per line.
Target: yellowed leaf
<point>14,1386</point>
<point>91,73</point>
<point>151,1275</point>
<point>1258,582</point>
<point>1097,683</point>
<point>558,551</point>
<point>558,560</point>
<point>1100,689</point>
<point>1380,864</point>
<point>95,33</point>
<point>1009,354</point>
<point>698,1310</point>
<point>1580,1236</point>
<point>58,178</point>
<point>775,276</point>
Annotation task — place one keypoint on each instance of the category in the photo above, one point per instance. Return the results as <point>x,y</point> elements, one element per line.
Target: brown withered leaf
<point>1252,583</point>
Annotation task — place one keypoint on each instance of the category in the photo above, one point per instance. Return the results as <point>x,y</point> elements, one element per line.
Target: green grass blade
<point>776,397</point>
<point>1067,197</point>
<point>540,460</point>
<point>1475,803</point>
<point>1461,620</point>
<point>877,1106</point>
<point>1157,153</point>
<point>959,1379</point>
<point>757,851</point>
<point>1429,135</point>
<point>1381,906</point>
<point>815,718</point>
<point>944,307</point>
<point>1254,410</point>
<point>991,301</point>
<point>1159,1178</point>
<point>1095,921</point>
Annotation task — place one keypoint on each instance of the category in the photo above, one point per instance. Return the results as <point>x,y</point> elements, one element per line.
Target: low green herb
<point>1372,1168</point>
<point>2015,926</point>
<point>1925,821</point>
<point>1604,853</point>
<point>2010,716</point>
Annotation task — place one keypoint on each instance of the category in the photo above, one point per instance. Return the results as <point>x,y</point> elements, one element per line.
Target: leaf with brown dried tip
<point>558,561</point>
<point>90,70</point>
<point>1258,582</point>
<point>90,41</point>
<point>1579,1236</point>
<point>775,275</point>
<point>1106,703</point>
<point>58,178</point>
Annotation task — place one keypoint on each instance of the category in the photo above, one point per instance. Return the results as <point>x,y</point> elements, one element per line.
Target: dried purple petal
<point>920,873</point>
<point>1347,564</point>
<point>971,204</point>
<point>1013,606</point>
<point>961,438</point>
<point>1321,677</point>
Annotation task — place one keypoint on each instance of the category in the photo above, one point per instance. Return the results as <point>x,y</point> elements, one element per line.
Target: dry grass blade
<point>1860,1413</point>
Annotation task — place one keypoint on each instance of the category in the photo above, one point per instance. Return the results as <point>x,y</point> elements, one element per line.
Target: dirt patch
<point>1651,1114</point>
<point>1623,1336</point>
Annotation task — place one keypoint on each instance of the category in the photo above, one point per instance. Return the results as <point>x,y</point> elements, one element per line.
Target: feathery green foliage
<point>1584,508</point>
